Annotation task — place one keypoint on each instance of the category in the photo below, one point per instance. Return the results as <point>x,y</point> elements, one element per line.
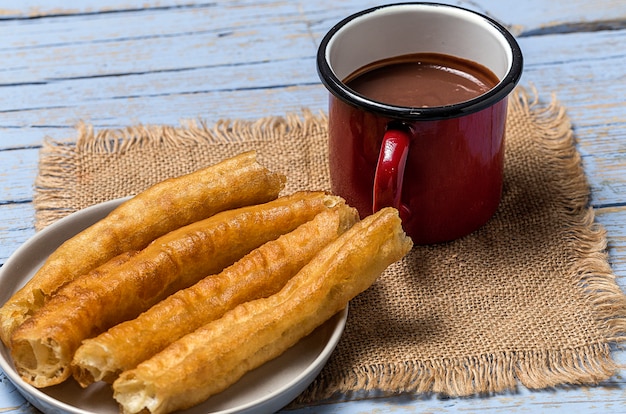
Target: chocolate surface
<point>422,80</point>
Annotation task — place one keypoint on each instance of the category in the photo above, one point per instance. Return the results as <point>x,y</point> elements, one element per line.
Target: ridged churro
<point>218,354</point>
<point>43,346</point>
<point>260,273</point>
<point>168,205</point>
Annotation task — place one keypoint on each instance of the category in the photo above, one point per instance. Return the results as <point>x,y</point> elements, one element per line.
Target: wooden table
<point>114,63</point>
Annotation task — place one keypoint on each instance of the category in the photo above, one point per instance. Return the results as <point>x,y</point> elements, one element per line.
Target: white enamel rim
<point>404,28</point>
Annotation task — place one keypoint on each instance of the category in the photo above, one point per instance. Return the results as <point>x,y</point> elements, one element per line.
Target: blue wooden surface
<point>114,63</point>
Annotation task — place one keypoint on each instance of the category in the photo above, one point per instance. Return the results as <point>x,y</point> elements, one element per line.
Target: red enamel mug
<point>440,166</point>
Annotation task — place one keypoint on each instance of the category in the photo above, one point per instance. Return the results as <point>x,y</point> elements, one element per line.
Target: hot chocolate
<point>422,80</point>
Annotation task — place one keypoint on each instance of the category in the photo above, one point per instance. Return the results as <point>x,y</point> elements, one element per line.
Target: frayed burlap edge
<point>496,373</point>
<point>57,157</point>
<point>592,272</point>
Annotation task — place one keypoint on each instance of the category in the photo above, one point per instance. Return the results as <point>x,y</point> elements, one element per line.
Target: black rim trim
<point>499,92</point>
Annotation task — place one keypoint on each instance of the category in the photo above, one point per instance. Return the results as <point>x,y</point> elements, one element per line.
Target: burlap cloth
<point>529,298</point>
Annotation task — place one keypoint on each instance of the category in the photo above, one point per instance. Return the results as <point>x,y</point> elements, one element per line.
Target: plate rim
<point>39,398</point>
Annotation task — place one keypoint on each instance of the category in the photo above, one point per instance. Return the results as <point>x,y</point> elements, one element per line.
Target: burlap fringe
<point>193,132</point>
<point>491,374</point>
<point>592,271</point>
<point>53,190</point>
<point>482,375</point>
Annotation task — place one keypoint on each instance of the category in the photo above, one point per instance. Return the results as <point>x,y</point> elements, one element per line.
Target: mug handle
<point>390,171</point>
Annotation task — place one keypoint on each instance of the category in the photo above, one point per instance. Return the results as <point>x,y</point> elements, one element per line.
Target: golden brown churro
<point>261,273</point>
<point>168,205</point>
<point>216,355</point>
<point>43,346</point>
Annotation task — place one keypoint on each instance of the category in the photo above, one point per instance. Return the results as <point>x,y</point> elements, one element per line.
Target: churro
<point>170,204</point>
<point>215,356</point>
<point>260,273</point>
<point>43,346</point>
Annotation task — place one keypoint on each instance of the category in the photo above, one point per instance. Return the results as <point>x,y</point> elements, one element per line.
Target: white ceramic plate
<point>264,390</point>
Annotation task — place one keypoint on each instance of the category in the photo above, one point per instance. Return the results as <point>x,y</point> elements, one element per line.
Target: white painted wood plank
<point>532,17</point>
<point>171,108</point>
<point>613,219</point>
<point>28,9</point>
<point>585,73</point>
<point>525,16</point>
<point>190,48</point>
<point>71,93</point>
<point>17,224</point>
<point>18,169</point>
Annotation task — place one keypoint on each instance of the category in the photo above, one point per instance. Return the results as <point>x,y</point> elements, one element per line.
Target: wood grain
<point>115,63</point>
